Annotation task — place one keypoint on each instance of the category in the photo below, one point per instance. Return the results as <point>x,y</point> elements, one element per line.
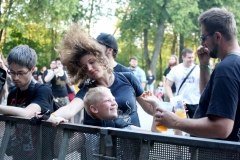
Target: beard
<point>214,52</point>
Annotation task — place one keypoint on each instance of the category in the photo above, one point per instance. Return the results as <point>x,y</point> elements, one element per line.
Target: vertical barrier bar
<point>5,140</point>
<point>39,143</point>
<point>194,154</point>
<point>64,145</point>
<point>144,152</point>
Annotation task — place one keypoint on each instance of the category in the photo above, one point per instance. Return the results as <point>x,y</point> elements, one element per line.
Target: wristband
<point>54,115</point>
<point>204,66</point>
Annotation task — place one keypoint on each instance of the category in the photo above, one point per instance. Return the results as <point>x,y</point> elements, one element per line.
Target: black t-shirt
<point>42,96</point>
<point>27,134</point>
<point>165,74</point>
<point>221,96</point>
<point>35,75</point>
<point>59,88</point>
<point>150,79</point>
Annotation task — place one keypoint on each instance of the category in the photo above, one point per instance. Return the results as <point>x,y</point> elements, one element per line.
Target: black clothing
<point>165,74</point>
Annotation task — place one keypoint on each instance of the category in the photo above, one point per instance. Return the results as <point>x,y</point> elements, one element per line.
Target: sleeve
<point>81,93</point>
<point>44,98</point>
<point>134,82</point>
<point>224,97</point>
<point>171,75</point>
<point>165,72</point>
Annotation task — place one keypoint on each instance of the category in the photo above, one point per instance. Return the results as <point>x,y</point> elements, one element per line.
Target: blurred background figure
<point>137,71</point>
<point>41,75</point>
<point>35,73</point>
<point>57,78</point>
<point>150,81</point>
<point>159,91</point>
<point>173,61</point>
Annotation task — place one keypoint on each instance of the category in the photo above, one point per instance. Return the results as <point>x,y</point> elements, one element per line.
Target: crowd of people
<point>110,92</point>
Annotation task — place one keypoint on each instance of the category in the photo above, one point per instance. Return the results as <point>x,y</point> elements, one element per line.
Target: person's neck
<point>106,80</point>
<point>229,48</point>
<point>25,87</point>
<point>112,63</point>
<point>187,65</point>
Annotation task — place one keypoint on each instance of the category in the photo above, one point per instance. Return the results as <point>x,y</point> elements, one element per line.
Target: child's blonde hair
<point>92,97</point>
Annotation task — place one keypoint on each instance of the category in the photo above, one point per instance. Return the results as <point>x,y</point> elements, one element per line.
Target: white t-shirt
<point>190,89</point>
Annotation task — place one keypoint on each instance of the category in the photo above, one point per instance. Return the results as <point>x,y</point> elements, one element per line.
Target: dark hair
<point>185,51</point>
<point>22,55</point>
<point>219,20</point>
<point>133,57</point>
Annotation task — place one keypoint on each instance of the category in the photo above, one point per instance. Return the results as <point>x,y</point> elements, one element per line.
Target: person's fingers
<point>160,109</point>
<point>64,120</point>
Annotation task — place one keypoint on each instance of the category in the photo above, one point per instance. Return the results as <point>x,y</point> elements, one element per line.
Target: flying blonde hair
<point>76,44</point>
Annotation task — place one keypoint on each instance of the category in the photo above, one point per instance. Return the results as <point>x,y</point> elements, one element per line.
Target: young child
<point>159,91</point>
<point>100,104</point>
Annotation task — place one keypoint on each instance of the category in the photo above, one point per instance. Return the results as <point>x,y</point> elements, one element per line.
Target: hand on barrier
<point>37,120</point>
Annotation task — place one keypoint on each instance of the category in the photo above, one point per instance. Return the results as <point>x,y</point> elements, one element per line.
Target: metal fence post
<point>6,138</point>
<point>65,144</point>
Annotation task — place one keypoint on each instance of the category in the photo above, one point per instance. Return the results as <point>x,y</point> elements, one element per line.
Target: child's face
<point>107,106</point>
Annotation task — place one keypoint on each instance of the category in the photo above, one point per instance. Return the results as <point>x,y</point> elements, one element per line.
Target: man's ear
<point>93,109</point>
<point>32,70</point>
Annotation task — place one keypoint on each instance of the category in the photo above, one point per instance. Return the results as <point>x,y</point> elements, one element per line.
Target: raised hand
<point>203,55</point>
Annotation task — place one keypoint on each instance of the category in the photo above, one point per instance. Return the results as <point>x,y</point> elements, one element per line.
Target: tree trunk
<point>181,47</point>
<point>173,50</point>
<point>146,53</point>
<point>158,45</point>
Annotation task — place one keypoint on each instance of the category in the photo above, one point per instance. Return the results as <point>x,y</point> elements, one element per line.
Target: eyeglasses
<point>20,74</point>
<point>203,38</point>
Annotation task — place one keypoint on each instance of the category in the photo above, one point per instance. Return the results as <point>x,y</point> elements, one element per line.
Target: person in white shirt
<point>190,88</point>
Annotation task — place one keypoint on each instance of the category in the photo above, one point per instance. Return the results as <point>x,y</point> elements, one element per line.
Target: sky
<point>106,25</point>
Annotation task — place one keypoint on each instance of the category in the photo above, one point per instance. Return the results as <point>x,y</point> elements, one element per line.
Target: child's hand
<point>150,98</point>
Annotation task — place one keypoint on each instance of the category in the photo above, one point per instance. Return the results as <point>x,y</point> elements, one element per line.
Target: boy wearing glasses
<point>25,99</point>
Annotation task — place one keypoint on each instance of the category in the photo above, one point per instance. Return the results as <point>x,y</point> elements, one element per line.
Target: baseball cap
<point>108,40</point>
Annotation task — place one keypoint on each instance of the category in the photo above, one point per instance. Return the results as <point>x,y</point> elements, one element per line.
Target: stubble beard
<point>214,52</point>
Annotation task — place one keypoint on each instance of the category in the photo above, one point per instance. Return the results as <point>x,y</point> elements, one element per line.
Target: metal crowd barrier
<point>75,141</point>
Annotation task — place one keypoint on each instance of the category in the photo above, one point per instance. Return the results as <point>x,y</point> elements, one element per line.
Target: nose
<point>89,67</point>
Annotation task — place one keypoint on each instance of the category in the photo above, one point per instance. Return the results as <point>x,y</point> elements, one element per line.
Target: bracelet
<point>204,66</point>
<point>53,114</point>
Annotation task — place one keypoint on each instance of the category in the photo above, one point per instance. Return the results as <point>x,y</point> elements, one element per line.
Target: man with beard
<point>137,71</point>
<point>218,114</point>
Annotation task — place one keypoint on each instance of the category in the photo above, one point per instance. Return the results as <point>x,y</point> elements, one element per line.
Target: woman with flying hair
<point>84,59</point>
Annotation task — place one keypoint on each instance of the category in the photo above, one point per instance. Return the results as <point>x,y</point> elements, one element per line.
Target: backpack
<point>56,105</point>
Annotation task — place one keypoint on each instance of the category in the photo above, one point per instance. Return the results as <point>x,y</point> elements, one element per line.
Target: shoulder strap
<point>127,81</point>
<point>33,92</point>
<point>186,78</point>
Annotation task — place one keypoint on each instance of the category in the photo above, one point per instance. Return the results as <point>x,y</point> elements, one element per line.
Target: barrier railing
<point>19,140</point>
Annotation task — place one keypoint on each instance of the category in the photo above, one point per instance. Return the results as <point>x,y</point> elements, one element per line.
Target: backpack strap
<point>127,81</point>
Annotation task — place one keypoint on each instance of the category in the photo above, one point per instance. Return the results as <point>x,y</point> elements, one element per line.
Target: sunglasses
<point>203,38</point>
